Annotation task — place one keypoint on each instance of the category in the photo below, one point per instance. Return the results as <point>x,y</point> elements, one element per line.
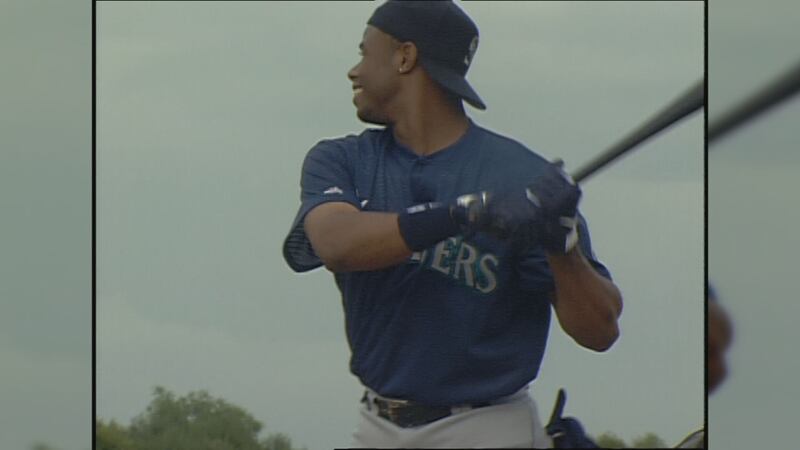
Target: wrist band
<point>424,225</point>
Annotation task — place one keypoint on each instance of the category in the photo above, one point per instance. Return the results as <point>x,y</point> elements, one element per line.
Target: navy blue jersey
<point>464,321</point>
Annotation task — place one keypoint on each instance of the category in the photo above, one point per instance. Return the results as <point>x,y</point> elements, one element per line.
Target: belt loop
<point>365,400</point>
<point>461,409</point>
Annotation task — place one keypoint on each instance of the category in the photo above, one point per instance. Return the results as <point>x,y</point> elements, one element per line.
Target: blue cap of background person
<point>444,35</point>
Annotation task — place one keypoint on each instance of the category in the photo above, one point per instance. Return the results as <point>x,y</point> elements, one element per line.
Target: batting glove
<point>555,197</point>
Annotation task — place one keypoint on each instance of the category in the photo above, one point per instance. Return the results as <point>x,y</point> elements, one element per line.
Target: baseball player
<point>449,244</point>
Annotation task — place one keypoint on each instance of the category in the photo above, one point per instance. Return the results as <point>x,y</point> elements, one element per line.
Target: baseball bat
<point>780,89</point>
<point>558,408</point>
<point>688,102</point>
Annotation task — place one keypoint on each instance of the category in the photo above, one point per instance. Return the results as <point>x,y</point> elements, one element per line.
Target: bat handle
<point>558,409</point>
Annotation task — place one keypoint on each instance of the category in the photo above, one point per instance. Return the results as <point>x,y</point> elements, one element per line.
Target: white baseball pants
<point>511,422</point>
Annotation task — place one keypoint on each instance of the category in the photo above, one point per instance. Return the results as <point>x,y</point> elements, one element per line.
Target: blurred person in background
<point>720,335</point>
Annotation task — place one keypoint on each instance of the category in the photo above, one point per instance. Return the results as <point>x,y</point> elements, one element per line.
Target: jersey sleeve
<point>535,274</point>
<point>326,177</point>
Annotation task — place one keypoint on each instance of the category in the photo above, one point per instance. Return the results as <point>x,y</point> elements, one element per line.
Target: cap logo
<point>473,47</point>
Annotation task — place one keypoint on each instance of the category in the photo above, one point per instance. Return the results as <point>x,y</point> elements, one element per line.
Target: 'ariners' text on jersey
<point>461,262</point>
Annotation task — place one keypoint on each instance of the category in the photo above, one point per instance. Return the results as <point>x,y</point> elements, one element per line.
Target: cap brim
<point>453,82</point>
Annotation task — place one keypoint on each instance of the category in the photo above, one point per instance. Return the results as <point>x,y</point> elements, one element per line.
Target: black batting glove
<point>469,212</point>
<point>505,214</point>
<point>555,196</point>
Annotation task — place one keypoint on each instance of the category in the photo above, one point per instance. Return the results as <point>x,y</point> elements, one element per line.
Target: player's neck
<point>426,128</point>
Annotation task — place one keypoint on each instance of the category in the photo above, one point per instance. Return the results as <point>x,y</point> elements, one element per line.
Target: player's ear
<point>406,54</point>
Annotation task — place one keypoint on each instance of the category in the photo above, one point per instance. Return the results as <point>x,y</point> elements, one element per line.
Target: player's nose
<point>352,74</point>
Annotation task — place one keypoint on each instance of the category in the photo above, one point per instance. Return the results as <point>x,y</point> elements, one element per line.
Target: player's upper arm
<point>326,179</point>
<point>319,229</point>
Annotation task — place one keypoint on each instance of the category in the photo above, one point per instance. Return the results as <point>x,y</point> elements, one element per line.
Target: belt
<point>407,414</point>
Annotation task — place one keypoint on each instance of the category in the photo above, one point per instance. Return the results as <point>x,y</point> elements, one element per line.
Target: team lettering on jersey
<point>462,262</point>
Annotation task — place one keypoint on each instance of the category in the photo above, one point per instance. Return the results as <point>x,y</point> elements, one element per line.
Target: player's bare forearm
<point>586,303</point>
<point>348,240</point>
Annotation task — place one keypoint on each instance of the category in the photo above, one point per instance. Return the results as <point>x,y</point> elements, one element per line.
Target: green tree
<point>610,440</point>
<point>649,440</point>
<point>194,422</point>
<point>278,441</point>
<point>112,436</point>
<point>41,446</point>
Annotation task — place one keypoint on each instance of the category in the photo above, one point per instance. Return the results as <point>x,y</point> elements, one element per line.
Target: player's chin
<point>367,116</point>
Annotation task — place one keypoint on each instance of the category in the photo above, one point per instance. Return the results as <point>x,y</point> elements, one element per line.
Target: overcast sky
<point>205,112</point>
<point>45,225</point>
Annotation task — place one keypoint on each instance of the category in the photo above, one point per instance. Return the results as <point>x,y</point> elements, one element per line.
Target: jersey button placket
<point>421,189</point>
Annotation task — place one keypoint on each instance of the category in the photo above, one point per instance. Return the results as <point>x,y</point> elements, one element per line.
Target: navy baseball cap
<point>444,35</point>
